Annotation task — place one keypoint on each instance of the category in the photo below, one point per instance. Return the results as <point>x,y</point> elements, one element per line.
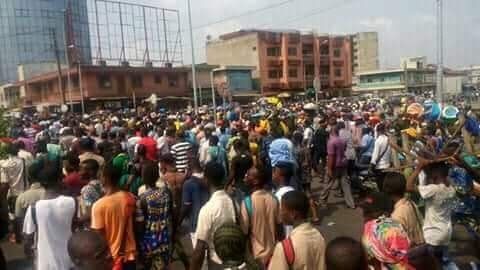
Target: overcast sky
<point>405,27</point>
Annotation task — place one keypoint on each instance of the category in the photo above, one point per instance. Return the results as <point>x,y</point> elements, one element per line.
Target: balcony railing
<point>275,63</point>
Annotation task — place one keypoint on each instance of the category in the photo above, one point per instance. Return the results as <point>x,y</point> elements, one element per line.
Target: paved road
<point>337,220</point>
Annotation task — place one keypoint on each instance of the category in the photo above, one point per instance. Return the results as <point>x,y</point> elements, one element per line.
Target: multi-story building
<point>414,76</point>
<point>395,81</point>
<point>364,52</point>
<point>105,86</point>
<point>28,29</point>
<point>287,60</point>
<point>473,76</point>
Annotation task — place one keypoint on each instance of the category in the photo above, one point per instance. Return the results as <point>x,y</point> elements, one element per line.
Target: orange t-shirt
<point>114,214</point>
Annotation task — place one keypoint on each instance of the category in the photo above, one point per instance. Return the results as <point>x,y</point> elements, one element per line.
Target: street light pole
<point>439,92</point>
<point>194,79</point>
<point>214,103</point>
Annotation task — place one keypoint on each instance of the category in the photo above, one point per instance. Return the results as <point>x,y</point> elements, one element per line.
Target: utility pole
<point>67,58</point>
<point>59,67</point>
<point>194,79</point>
<point>439,92</point>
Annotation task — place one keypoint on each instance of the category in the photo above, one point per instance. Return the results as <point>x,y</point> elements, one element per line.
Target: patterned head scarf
<point>386,241</point>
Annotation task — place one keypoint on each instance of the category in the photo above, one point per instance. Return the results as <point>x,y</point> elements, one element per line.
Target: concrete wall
<point>365,52</point>
<point>413,62</point>
<point>239,51</point>
<point>453,84</point>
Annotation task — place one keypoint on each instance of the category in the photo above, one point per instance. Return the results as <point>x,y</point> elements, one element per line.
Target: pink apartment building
<point>287,60</point>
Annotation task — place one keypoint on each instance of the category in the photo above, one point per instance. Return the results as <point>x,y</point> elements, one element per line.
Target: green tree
<point>4,131</point>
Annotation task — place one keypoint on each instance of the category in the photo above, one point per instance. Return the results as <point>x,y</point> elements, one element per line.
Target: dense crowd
<point>231,188</point>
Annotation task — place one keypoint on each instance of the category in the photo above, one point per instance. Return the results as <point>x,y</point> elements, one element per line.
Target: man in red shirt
<point>150,145</point>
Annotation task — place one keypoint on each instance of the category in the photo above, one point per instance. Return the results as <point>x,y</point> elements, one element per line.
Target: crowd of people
<point>232,189</point>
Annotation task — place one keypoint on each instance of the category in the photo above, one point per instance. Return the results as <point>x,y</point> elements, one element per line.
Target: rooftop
<point>222,68</point>
<point>98,68</point>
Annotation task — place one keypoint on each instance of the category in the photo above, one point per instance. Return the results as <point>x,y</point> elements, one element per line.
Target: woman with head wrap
<point>386,244</point>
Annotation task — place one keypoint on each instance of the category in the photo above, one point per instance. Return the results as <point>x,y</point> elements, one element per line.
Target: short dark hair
<point>213,140</point>
<point>87,144</point>
<point>437,169</point>
<point>150,173</point>
<point>170,132</point>
<point>72,159</point>
<point>167,158</point>
<point>261,173</point>
<point>34,171</point>
<point>394,184</point>
<point>377,203</point>
<point>81,240</point>
<point>20,145</point>
<point>215,173</point>
<point>297,201</point>
<point>285,169</point>
<point>345,253</point>
<point>112,173</point>
<point>381,128</point>
<point>49,174</point>
<point>12,149</point>
<point>92,165</point>
<point>144,131</point>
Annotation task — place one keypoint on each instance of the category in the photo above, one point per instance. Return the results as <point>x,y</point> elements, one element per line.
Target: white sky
<point>405,27</point>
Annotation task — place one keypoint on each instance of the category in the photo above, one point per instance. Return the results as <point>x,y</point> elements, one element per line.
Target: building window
<point>292,51</point>
<point>336,53</point>
<point>104,81</point>
<point>275,74</point>
<point>369,80</point>
<point>274,51</point>
<point>338,72</point>
<point>292,73</point>
<point>172,80</point>
<point>158,79</point>
<point>324,50</point>
<point>75,82</point>
<point>137,81</point>
<point>254,48</point>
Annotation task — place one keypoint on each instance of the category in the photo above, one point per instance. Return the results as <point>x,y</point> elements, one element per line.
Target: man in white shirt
<point>219,210</point>
<point>13,180</point>
<point>24,154</point>
<point>439,200</point>
<point>381,155</point>
<point>51,221</point>
<point>281,177</point>
<point>12,172</point>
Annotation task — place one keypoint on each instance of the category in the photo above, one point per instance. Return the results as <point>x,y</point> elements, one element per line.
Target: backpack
<point>249,206</point>
<point>288,251</point>
<point>218,155</point>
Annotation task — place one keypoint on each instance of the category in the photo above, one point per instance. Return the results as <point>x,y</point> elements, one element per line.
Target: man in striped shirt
<point>182,152</point>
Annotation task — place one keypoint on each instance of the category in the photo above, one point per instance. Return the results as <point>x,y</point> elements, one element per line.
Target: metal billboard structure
<point>123,32</point>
